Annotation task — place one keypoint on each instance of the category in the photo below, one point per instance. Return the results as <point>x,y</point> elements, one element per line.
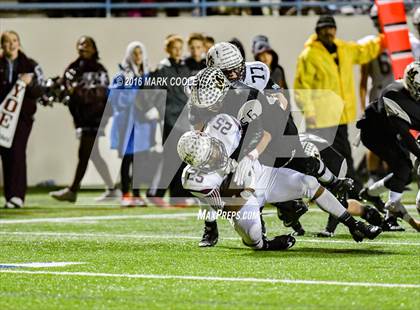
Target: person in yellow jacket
<point>324,84</point>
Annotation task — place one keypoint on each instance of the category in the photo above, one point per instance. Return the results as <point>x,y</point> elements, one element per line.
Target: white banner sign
<point>9,113</point>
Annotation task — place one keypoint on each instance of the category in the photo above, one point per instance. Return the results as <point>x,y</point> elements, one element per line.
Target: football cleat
<point>280,243</point>
<point>298,229</point>
<point>391,224</point>
<point>375,200</point>
<point>210,236</point>
<point>325,234</point>
<point>362,231</point>
<point>372,216</point>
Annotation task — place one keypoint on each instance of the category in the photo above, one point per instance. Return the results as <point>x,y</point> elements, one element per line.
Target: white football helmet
<point>411,79</point>
<point>227,58</point>
<point>416,16</point>
<point>209,89</point>
<point>201,151</point>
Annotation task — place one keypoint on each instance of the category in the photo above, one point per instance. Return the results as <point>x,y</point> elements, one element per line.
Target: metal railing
<point>201,5</point>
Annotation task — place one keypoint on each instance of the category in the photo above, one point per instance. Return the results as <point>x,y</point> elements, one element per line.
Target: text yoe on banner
<point>9,113</point>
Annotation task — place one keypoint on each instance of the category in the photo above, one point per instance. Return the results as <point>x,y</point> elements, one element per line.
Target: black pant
<point>87,148</point>
<point>339,139</point>
<point>378,137</point>
<point>14,161</point>
<point>138,163</point>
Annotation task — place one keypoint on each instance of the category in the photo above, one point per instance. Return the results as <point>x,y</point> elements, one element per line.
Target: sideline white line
<point>98,218</point>
<point>186,237</point>
<point>203,278</point>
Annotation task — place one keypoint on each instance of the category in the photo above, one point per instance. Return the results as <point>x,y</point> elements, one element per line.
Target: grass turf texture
<point>136,245</point>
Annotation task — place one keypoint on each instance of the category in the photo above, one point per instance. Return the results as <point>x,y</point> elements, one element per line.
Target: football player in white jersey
<point>209,174</point>
<point>207,154</point>
<point>227,58</point>
<point>278,132</point>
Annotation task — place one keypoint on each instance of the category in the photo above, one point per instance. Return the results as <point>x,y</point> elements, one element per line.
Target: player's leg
<point>366,212</point>
<point>211,232</point>
<point>289,213</point>
<point>247,223</point>
<point>288,184</point>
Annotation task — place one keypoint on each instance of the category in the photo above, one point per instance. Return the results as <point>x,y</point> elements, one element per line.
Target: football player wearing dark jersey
<point>385,130</point>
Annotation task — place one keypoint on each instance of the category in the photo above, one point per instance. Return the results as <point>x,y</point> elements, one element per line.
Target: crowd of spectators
<point>244,7</point>
<point>148,119</point>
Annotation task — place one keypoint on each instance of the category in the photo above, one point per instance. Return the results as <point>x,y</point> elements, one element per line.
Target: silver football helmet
<point>411,79</point>
<point>201,151</point>
<point>209,89</point>
<point>227,57</point>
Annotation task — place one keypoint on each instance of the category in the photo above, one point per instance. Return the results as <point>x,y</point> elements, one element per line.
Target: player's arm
<point>265,140</point>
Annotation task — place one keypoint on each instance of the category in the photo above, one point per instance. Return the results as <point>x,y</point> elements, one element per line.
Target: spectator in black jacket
<point>172,70</point>
<point>14,65</point>
<point>87,81</point>
<point>196,61</point>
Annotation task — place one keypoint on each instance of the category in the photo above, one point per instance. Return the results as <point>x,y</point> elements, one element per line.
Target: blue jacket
<point>131,132</point>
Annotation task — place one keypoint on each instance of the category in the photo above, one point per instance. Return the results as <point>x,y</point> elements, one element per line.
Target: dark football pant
<point>378,137</point>
<point>339,139</point>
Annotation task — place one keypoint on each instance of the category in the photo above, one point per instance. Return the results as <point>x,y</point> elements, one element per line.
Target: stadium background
<point>53,147</point>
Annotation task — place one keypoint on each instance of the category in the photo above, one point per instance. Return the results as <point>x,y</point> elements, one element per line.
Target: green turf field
<point>148,258</point>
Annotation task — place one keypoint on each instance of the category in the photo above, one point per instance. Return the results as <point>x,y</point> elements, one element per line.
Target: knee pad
<point>311,185</point>
<point>290,211</point>
<point>372,216</point>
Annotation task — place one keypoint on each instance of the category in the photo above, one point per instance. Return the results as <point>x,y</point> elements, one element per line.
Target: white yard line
<point>210,278</point>
<point>79,219</point>
<point>98,218</point>
<point>186,237</point>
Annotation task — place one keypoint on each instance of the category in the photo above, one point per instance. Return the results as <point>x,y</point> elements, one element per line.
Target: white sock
<point>327,177</point>
<point>394,196</point>
<point>377,188</point>
<point>327,202</point>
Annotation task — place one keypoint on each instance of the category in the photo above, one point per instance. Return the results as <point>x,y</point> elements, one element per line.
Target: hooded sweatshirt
<point>131,131</point>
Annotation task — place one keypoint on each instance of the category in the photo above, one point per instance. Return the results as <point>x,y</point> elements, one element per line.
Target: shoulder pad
<point>257,75</point>
<point>251,110</point>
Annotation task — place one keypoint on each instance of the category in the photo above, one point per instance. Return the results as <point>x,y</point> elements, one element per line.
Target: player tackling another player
<point>216,157</point>
<point>245,151</point>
